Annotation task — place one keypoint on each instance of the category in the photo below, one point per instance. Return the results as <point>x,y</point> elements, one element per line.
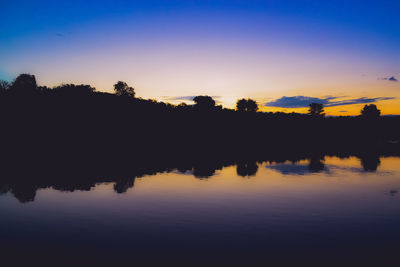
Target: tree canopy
<point>248,105</point>
<point>316,110</point>
<point>122,89</point>
<point>24,83</point>
<point>370,112</point>
<point>72,89</point>
<point>204,102</point>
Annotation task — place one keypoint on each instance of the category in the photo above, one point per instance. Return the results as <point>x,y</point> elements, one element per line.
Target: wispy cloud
<point>391,79</point>
<point>305,101</point>
<point>297,101</point>
<point>177,98</point>
<point>361,100</point>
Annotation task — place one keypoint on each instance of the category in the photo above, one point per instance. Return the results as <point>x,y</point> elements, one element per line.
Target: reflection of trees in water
<point>24,192</point>
<point>370,162</point>
<point>4,189</point>
<point>316,164</point>
<point>24,184</point>
<point>204,170</point>
<point>122,185</point>
<point>247,169</point>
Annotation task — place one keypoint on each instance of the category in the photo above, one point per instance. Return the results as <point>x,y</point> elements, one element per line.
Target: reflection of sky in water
<point>290,168</point>
<point>341,206</point>
<point>305,167</point>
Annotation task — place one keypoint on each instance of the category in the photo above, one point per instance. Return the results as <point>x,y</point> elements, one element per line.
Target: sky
<point>283,54</point>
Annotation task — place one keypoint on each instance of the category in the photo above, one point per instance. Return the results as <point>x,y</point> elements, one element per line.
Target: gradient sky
<point>284,54</point>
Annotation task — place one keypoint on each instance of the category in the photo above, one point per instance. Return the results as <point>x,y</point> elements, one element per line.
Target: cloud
<point>391,79</point>
<point>176,98</point>
<point>361,100</point>
<point>305,101</point>
<point>296,101</point>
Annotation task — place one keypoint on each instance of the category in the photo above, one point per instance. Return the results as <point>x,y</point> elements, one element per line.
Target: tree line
<point>76,121</point>
<point>25,85</point>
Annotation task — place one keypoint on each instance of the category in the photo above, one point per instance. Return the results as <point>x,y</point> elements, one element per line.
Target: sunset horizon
<point>264,50</point>
<point>334,105</point>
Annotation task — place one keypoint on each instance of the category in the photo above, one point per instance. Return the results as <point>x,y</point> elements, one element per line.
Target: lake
<point>325,211</point>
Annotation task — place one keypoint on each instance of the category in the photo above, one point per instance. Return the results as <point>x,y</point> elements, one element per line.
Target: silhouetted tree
<point>4,86</point>
<point>122,89</point>
<point>370,112</point>
<point>204,102</point>
<point>252,105</point>
<point>316,110</point>
<point>246,105</point>
<point>23,84</point>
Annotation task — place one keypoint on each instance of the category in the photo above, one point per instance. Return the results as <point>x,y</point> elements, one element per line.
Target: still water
<point>335,211</point>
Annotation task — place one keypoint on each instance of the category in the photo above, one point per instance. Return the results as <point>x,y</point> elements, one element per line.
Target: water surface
<point>324,211</point>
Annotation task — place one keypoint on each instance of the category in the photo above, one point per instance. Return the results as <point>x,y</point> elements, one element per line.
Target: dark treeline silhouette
<point>77,115</point>
<point>92,137</point>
